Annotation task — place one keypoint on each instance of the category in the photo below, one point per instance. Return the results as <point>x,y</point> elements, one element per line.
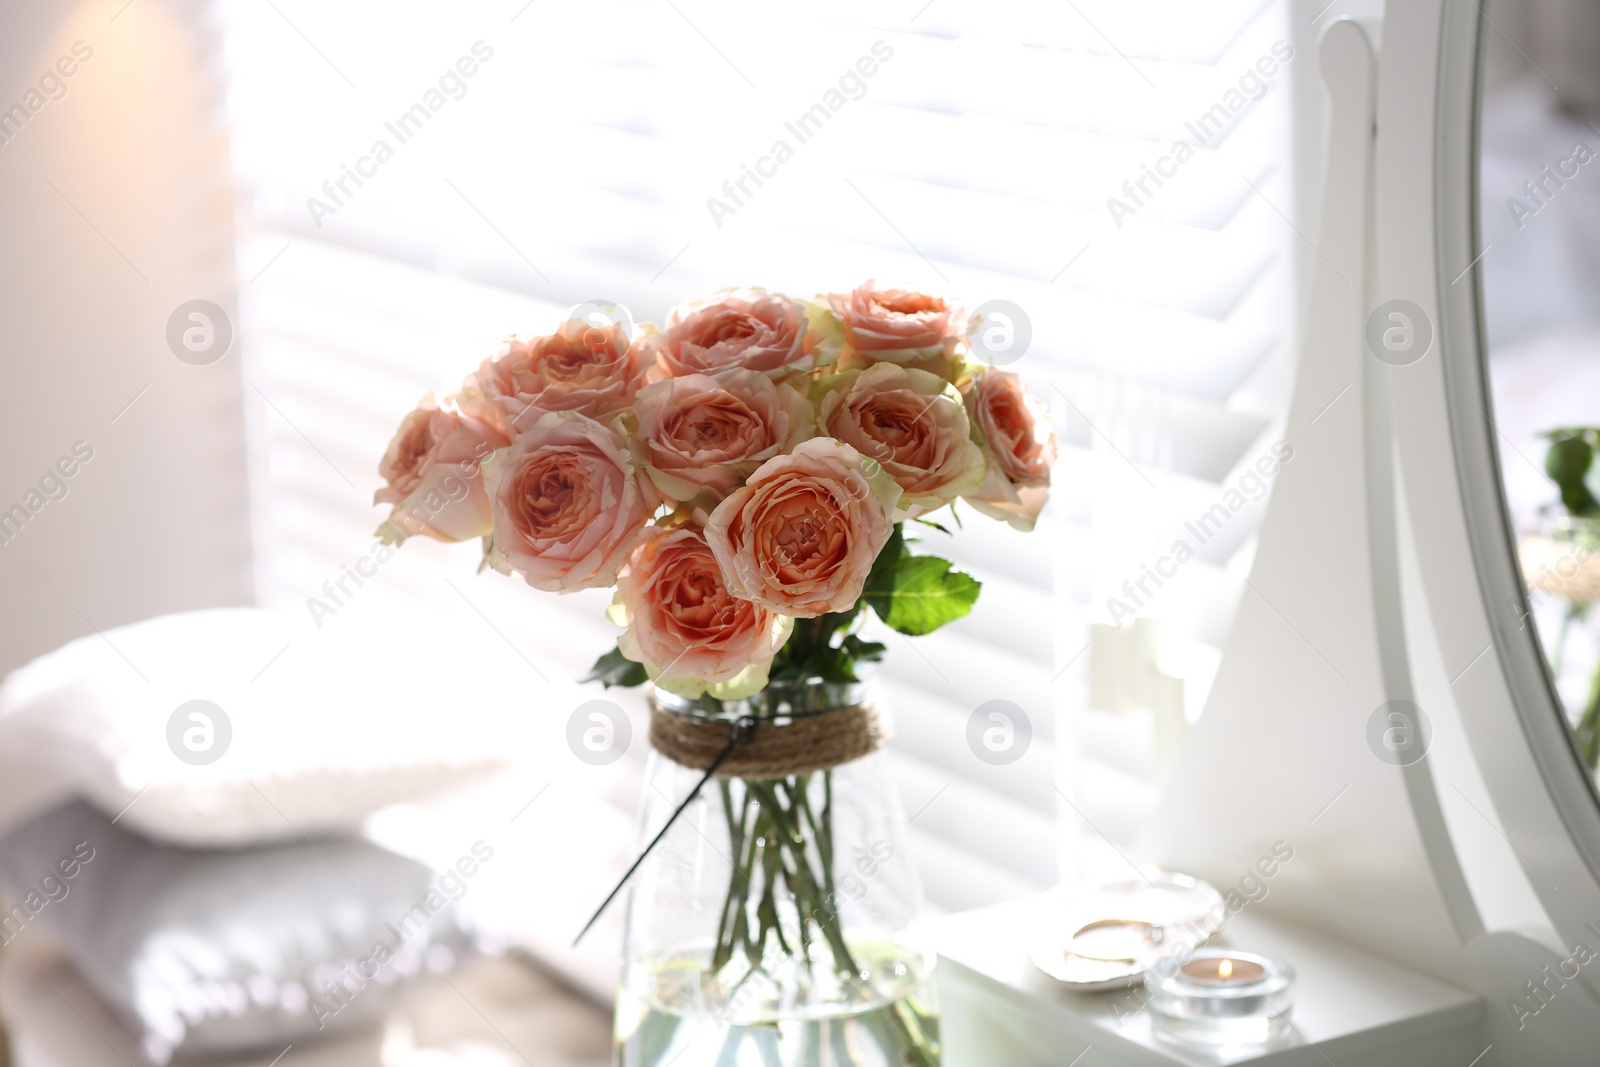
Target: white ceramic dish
<point>1107,936</point>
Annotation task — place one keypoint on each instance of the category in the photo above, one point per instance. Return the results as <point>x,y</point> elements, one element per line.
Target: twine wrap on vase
<point>770,743</point>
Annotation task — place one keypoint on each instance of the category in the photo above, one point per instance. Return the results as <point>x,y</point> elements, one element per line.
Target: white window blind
<point>591,153</point>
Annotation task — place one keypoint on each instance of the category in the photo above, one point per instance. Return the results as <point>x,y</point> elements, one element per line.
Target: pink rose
<point>802,534</point>
<point>748,328</point>
<point>1019,444</point>
<point>899,326</point>
<point>913,423</point>
<point>566,498</point>
<point>699,437</point>
<point>592,370</point>
<point>691,634</point>
<point>433,477</point>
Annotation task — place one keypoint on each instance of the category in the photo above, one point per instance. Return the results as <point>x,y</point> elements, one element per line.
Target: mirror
<point>1539,243</point>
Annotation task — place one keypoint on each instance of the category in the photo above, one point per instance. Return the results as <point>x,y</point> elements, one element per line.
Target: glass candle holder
<point>1219,997</point>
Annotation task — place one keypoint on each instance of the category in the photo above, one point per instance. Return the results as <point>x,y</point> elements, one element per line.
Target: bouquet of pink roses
<point>741,476</point>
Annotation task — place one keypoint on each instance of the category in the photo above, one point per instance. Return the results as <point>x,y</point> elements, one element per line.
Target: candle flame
<point>1225,969</point>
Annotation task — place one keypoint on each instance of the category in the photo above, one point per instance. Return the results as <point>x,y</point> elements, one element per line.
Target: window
<point>536,155</point>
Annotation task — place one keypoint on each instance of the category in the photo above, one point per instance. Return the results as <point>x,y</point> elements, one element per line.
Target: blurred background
<point>1540,231</point>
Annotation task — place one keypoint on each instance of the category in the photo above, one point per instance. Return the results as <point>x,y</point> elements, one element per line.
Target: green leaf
<point>889,557</point>
<point>865,651</point>
<point>810,651</point>
<point>833,665</point>
<point>788,673</point>
<point>824,662</point>
<point>918,594</point>
<point>1567,463</point>
<point>614,668</point>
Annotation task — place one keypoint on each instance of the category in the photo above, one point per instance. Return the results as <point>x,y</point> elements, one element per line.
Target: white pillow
<point>327,726</point>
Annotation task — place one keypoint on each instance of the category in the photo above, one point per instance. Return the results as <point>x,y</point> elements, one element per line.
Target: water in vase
<point>779,1013</point>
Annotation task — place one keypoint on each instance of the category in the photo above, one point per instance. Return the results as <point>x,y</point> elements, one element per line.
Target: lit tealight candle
<point>1224,970</point>
<point>1221,997</point>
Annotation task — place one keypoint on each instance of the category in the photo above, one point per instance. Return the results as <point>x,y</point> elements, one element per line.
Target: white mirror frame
<point>1427,252</point>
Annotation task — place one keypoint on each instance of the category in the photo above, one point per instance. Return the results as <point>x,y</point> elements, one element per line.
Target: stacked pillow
<point>203,867</point>
<point>216,952</point>
<point>300,731</point>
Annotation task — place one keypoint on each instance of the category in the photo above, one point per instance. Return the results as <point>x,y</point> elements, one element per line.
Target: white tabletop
<point>1347,1002</point>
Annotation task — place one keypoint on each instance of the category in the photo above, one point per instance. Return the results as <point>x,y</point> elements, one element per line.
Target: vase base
<point>892,1021</point>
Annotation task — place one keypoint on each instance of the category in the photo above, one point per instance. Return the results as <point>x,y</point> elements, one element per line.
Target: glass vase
<point>776,922</point>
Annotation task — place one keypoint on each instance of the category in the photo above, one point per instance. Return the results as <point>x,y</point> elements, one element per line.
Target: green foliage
<point>1570,464</point>
<point>812,652</point>
<point>917,594</point>
<point>614,668</point>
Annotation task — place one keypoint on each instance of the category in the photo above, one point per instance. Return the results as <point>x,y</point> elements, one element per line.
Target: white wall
<point>114,209</point>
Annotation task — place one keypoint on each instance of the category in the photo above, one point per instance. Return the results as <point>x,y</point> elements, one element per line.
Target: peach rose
<point>899,326</point>
<point>691,634</point>
<point>1019,444</point>
<point>748,328</point>
<point>592,370</point>
<point>566,499</point>
<point>801,536</point>
<point>433,477</point>
<point>699,437</point>
<point>913,423</point>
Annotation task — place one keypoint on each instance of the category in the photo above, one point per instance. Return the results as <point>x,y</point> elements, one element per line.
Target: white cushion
<point>327,725</point>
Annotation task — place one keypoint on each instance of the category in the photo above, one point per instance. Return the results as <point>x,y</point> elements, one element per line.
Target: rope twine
<point>766,748</point>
